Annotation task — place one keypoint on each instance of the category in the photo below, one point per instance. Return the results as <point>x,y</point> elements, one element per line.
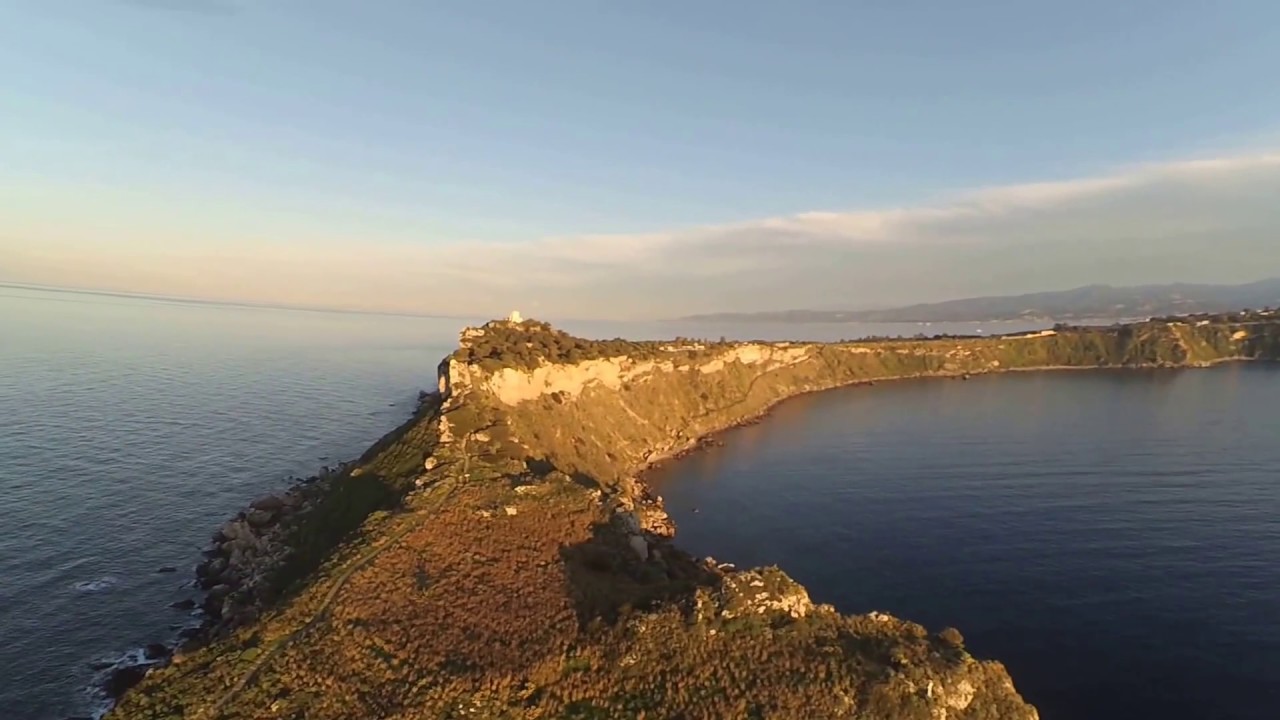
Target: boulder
<point>639,545</point>
<point>188,646</point>
<point>156,651</point>
<point>260,518</point>
<point>233,529</point>
<point>268,503</point>
<point>237,559</point>
<point>216,567</point>
<point>212,607</point>
<point>124,678</point>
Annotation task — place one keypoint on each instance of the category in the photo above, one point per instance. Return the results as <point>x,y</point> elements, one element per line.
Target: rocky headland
<point>499,555</point>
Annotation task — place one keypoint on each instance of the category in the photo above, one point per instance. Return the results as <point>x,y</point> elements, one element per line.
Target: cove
<point>499,553</point>
<point>1109,535</point>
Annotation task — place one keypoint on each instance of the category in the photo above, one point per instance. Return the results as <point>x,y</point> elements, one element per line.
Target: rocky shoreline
<point>236,569</point>
<point>233,577</point>
<point>527,438</point>
<point>238,574</point>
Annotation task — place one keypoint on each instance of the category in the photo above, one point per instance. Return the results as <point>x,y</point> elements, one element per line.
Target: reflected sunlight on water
<point>132,428</point>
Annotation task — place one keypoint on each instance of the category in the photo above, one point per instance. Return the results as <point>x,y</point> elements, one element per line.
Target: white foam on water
<point>103,583</point>
<point>97,704</point>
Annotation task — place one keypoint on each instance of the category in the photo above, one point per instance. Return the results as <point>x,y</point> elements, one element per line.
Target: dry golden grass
<point>492,603</point>
<point>475,599</point>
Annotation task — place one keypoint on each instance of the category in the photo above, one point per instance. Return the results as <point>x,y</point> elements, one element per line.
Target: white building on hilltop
<point>514,317</point>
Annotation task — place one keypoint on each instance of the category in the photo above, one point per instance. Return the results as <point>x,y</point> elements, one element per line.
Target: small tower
<point>514,317</point>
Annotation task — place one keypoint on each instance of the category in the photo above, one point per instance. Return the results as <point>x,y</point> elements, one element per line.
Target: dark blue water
<point>130,429</point>
<point>1101,533</point>
<point>1113,537</point>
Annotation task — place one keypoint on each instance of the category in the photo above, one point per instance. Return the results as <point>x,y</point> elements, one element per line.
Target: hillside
<point>1092,302</point>
<point>499,556</point>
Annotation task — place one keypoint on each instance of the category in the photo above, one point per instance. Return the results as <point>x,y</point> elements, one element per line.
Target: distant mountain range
<point>1092,302</point>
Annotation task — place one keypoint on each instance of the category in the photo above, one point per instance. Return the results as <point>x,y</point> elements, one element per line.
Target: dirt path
<point>321,614</point>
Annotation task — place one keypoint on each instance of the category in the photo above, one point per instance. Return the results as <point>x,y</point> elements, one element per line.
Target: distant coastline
<point>1091,304</point>
<point>502,492</point>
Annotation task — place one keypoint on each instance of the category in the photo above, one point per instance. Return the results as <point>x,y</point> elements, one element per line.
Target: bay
<point>1111,536</point>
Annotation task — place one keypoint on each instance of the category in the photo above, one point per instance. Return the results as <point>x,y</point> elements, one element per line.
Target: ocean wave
<point>99,585</point>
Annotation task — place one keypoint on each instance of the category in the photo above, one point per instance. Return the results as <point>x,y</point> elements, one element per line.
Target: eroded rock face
<point>513,386</point>
<point>761,591</point>
<point>446,431</point>
<point>526,550</point>
<point>958,696</point>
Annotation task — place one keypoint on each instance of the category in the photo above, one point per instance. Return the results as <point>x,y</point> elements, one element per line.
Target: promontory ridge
<point>499,555</point>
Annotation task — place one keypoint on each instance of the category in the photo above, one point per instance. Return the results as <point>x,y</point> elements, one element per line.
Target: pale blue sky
<point>249,148</point>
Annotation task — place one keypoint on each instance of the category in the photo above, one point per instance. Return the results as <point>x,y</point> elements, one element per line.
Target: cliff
<point>498,556</point>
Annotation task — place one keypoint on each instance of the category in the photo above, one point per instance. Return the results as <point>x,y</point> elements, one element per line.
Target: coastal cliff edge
<point>499,555</point>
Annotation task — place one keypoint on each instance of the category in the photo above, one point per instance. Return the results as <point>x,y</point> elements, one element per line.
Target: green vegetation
<point>378,481</point>
<point>951,637</point>
<point>527,344</point>
<point>508,582</point>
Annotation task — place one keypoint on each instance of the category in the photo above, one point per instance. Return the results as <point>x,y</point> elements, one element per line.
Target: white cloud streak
<point>1199,220</point>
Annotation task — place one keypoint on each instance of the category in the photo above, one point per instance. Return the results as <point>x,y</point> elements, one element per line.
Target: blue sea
<point>1113,537</point>
<point>130,429</point>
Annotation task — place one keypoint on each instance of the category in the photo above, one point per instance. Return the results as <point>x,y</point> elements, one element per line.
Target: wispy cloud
<point>1218,209</point>
<point>1209,220</point>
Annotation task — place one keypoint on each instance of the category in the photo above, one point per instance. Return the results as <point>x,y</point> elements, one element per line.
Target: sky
<point>588,159</point>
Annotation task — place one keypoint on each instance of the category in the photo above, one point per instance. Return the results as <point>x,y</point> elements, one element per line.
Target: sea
<point>1113,537</point>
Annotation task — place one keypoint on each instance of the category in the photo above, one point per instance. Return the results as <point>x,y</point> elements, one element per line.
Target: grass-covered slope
<point>496,557</point>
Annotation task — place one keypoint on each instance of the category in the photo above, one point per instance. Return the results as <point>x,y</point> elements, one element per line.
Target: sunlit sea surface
<point>1102,533</point>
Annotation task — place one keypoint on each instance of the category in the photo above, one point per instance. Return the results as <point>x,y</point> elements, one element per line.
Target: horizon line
<point>245,304</point>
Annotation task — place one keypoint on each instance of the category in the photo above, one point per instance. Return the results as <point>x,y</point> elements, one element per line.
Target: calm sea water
<point>1113,537</point>
<point>131,428</point>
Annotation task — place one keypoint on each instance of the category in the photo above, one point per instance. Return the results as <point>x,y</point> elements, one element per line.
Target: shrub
<point>951,637</point>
